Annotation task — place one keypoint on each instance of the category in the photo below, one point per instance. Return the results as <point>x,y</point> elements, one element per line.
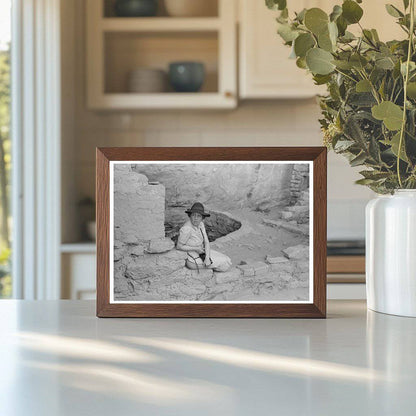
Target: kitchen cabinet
<point>78,263</point>
<point>118,45</point>
<point>265,70</point>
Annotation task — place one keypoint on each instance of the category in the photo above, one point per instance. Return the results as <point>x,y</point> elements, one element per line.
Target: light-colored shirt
<point>190,235</point>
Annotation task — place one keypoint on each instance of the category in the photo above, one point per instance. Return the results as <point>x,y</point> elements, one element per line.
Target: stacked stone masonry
<point>140,275</point>
<point>147,265</point>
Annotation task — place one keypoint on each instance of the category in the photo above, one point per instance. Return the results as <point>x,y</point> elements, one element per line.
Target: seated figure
<point>194,240</point>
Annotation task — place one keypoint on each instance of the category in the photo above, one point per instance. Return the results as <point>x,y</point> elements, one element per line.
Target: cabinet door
<point>265,68</point>
<point>78,276</point>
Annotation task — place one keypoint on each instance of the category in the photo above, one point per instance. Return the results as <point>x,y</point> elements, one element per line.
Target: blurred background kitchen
<point>146,73</point>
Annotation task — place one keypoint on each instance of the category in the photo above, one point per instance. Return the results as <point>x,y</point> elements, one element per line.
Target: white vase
<point>391,253</point>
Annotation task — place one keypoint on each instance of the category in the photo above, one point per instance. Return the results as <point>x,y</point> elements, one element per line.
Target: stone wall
<point>163,277</point>
<point>139,207</point>
<point>222,186</point>
<point>299,182</point>
<point>147,265</point>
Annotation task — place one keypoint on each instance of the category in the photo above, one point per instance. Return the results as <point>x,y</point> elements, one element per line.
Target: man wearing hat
<point>194,240</point>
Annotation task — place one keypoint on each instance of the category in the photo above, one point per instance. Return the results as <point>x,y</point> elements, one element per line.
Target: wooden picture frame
<point>315,307</point>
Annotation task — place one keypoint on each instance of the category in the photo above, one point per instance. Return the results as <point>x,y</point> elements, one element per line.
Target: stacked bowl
<point>191,8</point>
<point>147,80</point>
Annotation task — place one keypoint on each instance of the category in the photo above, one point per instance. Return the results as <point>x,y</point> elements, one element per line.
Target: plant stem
<point>392,90</point>
<point>373,90</point>
<point>406,79</point>
<point>345,75</point>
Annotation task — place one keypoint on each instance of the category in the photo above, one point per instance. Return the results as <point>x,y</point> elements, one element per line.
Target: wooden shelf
<point>346,269</point>
<point>116,46</point>
<point>163,101</point>
<point>81,247</point>
<point>346,264</point>
<point>159,24</point>
<point>345,278</point>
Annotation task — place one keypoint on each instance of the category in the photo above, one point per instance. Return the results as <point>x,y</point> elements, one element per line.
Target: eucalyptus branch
<point>397,95</point>
<point>352,119</point>
<point>406,79</point>
<point>404,29</point>
<point>392,90</point>
<point>373,89</point>
<point>346,75</point>
<point>369,41</point>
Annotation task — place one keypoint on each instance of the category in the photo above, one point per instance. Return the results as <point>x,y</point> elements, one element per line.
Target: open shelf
<point>80,247</point>
<point>127,51</point>
<point>130,101</point>
<point>116,46</point>
<point>108,9</point>
<point>160,24</point>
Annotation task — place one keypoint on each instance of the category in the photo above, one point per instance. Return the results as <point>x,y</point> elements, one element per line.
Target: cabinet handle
<point>228,94</point>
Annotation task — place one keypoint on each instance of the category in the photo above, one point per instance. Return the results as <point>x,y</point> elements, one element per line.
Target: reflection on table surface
<point>57,358</point>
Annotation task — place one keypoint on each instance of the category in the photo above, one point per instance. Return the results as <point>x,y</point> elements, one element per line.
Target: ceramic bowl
<point>186,76</point>
<point>147,80</point>
<point>135,8</point>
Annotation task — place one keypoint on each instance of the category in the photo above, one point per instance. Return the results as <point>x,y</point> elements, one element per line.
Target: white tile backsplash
<point>346,219</point>
<point>286,123</point>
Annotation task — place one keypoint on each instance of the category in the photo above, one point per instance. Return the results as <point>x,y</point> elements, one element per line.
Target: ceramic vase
<point>391,253</point>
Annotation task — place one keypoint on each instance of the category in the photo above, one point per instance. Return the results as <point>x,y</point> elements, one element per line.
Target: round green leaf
<point>327,40</point>
<point>363,86</point>
<point>316,20</point>
<point>403,65</point>
<point>358,61</point>
<point>324,42</point>
<point>286,32</point>
<point>385,63</point>
<point>342,25</point>
<point>375,35</point>
<point>394,144</point>
<point>300,16</point>
<point>333,32</point>
<point>321,79</point>
<point>319,61</point>
<point>301,63</point>
<point>411,90</point>
<point>276,4</point>
<point>393,11</point>
<point>391,114</point>
<point>351,11</point>
<point>303,43</point>
<point>342,64</point>
<point>336,12</point>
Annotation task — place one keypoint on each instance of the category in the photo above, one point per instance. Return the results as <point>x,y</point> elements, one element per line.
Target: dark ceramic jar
<point>136,8</point>
<point>186,76</point>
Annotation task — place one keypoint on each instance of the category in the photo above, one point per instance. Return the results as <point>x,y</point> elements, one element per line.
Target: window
<point>5,145</point>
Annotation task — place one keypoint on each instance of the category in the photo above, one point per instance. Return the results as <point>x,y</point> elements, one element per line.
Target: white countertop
<point>57,358</point>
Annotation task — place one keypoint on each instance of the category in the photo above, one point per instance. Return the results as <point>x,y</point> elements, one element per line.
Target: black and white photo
<point>202,231</point>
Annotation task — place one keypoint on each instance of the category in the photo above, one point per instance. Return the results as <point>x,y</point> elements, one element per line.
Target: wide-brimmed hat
<point>199,208</point>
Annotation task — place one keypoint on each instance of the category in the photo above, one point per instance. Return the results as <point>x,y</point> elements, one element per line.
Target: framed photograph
<point>211,232</point>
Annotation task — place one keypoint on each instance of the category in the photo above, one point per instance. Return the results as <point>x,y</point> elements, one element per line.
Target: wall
<point>223,186</point>
<point>256,123</point>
